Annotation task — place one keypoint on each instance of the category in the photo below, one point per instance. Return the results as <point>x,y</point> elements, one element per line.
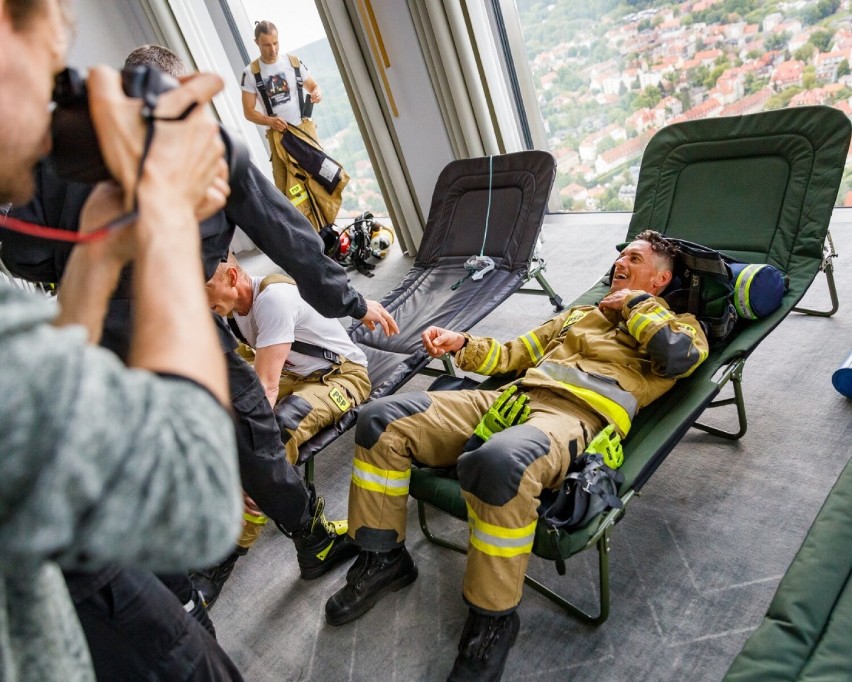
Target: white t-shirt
<point>280,80</point>
<point>279,315</point>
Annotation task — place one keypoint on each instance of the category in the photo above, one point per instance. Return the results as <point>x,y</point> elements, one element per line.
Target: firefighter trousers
<point>308,195</point>
<point>305,406</point>
<point>501,480</point>
<point>308,404</point>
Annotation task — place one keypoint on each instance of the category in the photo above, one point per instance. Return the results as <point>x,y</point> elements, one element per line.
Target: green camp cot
<point>761,189</point>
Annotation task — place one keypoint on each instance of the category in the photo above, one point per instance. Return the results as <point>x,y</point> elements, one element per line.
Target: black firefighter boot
<point>321,544</point>
<point>209,581</point>
<point>484,647</point>
<point>372,575</point>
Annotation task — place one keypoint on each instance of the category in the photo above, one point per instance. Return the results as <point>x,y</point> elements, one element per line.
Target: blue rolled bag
<point>758,289</point>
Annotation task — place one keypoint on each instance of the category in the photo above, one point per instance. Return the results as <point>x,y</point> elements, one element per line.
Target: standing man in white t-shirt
<point>279,78</point>
<point>307,364</point>
<point>279,92</point>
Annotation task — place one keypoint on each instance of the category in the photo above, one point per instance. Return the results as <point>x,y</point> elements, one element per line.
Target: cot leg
<point>832,292</point>
<point>736,378</point>
<point>829,254</point>
<point>603,585</point>
<point>555,299</point>
<point>537,271</point>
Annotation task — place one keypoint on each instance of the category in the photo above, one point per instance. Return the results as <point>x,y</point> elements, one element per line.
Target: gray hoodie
<point>99,465</point>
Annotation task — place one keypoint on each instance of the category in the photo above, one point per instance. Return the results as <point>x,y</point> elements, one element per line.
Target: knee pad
<point>377,415</point>
<point>493,472</point>
<point>291,410</point>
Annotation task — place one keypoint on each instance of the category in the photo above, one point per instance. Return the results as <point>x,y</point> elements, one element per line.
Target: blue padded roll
<point>842,377</point>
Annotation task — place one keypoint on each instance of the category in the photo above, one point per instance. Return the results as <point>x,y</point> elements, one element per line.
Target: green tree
<point>649,98</point>
<point>809,79</point>
<point>698,75</point>
<point>824,8</point>
<point>714,74</point>
<point>569,79</point>
<point>753,84</point>
<point>782,99</point>
<point>821,40</point>
<point>616,204</point>
<point>843,68</point>
<point>805,52</point>
<point>606,144</point>
<point>777,41</point>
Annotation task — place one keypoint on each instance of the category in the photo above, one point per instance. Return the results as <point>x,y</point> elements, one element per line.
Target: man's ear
<point>663,278</point>
<point>233,276</point>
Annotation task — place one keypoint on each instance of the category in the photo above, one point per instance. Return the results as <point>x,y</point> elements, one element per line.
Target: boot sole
<point>368,604</point>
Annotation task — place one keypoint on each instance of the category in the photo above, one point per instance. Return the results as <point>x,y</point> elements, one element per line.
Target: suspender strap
<point>296,64</point>
<point>261,87</point>
<point>315,351</point>
<point>232,323</point>
<point>299,346</point>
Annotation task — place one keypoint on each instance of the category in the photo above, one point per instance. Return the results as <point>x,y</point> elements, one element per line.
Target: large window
<point>300,32</point>
<point>610,73</point>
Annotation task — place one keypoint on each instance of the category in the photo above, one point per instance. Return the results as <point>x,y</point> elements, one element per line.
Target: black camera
<point>76,155</point>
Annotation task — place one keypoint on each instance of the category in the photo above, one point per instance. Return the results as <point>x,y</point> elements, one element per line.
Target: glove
<point>508,410</point>
<point>608,444</point>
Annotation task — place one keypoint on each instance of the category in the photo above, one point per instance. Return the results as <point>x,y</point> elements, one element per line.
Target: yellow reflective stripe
<point>499,540</point>
<point>702,352</point>
<point>491,359</point>
<point>378,480</point>
<point>742,288</point>
<point>533,346</point>
<point>259,520</point>
<point>639,321</point>
<point>606,406</point>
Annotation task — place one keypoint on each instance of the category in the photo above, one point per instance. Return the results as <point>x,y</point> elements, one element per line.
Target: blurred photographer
<point>100,463</point>
<point>119,637</point>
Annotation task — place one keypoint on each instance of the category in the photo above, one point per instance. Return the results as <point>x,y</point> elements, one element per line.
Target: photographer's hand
<point>92,270</point>
<point>121,135</point>
<point>181,179</point>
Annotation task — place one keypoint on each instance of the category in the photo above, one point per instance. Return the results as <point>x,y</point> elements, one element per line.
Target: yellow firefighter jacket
<point>613,363</point>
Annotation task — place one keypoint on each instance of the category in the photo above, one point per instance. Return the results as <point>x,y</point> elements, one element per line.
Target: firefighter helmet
<point>382,238</point>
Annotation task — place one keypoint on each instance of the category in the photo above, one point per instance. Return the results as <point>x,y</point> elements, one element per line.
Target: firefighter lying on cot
<point>588,367</point>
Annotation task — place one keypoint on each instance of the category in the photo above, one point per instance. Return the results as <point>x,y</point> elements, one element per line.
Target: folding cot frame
<point>760,188</point>
<point>492,206</point>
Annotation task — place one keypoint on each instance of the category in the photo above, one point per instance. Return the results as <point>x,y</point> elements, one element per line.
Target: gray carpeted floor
<point>694,563</point>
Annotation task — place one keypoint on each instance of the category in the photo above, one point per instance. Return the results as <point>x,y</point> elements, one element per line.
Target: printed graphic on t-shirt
<point>278,89</point>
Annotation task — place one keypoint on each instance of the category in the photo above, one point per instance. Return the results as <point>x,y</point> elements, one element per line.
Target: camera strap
<point>149,104</point>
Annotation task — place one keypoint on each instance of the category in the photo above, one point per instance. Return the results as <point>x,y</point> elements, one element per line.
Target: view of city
<point>610,73</point>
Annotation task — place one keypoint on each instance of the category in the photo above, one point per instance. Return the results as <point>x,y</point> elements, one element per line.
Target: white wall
<point>107,31</point>
<point>419,129</point>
